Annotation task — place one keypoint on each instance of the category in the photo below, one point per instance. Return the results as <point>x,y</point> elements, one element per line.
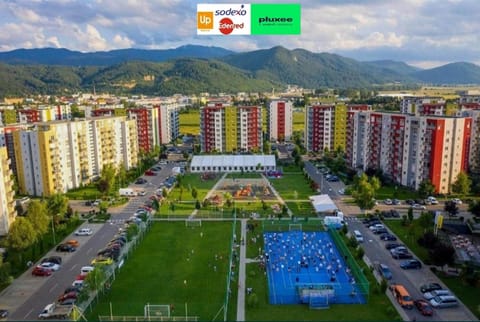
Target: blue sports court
<point>306,267</point>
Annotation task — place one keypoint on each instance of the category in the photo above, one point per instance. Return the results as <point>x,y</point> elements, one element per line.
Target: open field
<point>447,92</point>
<point>292,186</point>
<point>190,122</point>
<point>298,121</point>
<point>175,265</point>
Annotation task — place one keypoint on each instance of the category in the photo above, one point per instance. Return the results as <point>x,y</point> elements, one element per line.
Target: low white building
<point>232,163</point>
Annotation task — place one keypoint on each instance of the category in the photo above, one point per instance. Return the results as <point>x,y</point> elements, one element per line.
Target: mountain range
<point>193,69</point>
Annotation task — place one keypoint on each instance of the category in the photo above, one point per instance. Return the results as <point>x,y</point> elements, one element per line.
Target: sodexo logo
<point>227,26</point>
<point>232,11</point>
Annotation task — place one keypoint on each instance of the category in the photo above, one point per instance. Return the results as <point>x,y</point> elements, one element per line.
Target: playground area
<point>307,268</point>
<point>246,189</point>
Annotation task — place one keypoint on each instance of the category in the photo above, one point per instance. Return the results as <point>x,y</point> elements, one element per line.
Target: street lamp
<point>53,230</point>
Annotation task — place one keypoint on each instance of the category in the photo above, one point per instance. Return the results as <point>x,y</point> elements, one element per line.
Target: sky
<point>423,33</point>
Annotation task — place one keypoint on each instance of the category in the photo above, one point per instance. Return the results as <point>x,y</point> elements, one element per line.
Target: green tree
<point>96,278</point>
<point>364,190</point>
<point>21,234</point>
<point>37,214</point>
<point>462,185</point>
<point>107,179</point>
<point>410,214</point>
<point>57,205</point>
<point>194,193</point>
<point>474,208</point>
<point>197,205</point>
<point>426,188</point>
<point>228,199</point>
<point>121,175</point>
<point>425,221</point>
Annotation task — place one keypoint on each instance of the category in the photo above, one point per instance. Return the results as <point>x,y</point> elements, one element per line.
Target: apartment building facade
<point>280,120</point>
<point>325,126</point>
<point>54,157</point>
<point>423,105</point>
<point>409,148</point>
<point>7,194</point>
<point>230,128</point>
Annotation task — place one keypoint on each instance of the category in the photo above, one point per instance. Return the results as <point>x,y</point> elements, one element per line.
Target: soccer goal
<point>295,227</point>
<point>156,311</point>
<point>193,223</point>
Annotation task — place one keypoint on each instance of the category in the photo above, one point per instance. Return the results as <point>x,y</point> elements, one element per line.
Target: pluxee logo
<point>275,19</point>
<point>204,20</point>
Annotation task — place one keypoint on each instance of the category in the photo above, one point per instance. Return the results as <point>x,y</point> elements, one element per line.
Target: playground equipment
<point>244,192</point>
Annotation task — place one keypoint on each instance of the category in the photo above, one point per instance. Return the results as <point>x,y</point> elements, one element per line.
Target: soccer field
<point>173,265</point>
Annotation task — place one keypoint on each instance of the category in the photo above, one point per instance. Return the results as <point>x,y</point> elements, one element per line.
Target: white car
<point>50,266</point>
<point>142,193</point>
<point>457,201</point>
<point>84,232</point>
<point>388,201</point>
<point>418,206</point>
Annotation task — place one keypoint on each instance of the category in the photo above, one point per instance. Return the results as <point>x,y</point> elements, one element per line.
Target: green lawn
<point>468,294</point>
<point>301,208</point>
<point>409,235</point>
<point>190,122</point>
<point>174,264</point>
<point>245,175</point>
<point>298,121</point>
<point>292,186</point>
<point>388,192</point>
<point>189,181</point>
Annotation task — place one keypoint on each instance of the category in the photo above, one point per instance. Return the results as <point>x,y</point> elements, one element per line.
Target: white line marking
<point>74,266</point>
<point>89,250</point>
<point>25,317</point>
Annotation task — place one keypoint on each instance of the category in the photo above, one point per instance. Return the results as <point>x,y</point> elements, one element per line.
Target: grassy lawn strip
<point>301,208</point>
<point>298,121</point>
<point>245,175</point>
<point>402,193</point>
<point>290,183</point>
<point>468,294</point>
<point>409,236</point>
<point>169,255</point>
<point>190,122</point>
<point>188,182</point>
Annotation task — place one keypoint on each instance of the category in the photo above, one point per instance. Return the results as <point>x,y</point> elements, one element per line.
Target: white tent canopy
<point>323,203</point>
<point>232,163</point>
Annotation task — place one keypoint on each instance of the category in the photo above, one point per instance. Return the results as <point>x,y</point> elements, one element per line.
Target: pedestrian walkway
<point>215,187</point>
<point>241,273</point>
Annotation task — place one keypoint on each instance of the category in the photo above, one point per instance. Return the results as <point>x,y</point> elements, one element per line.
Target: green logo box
<point>275,19</point>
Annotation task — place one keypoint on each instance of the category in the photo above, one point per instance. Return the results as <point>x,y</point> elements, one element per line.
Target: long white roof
<point>233,160</point>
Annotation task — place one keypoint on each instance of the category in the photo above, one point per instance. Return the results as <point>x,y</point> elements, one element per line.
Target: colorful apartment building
<point>7,194</point>
<point>230,128</point>
<point>472,110</point>
<point>423,105</point>
<point>156,125</point>
<point>408,148</point>
<point>325,126</point>
<point>280,120</point>
<point>55,157</point>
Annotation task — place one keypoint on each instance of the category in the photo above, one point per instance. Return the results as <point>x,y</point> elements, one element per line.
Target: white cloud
<point>122,42</point>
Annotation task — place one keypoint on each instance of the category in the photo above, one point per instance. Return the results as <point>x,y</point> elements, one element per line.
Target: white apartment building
<point>280,120</point>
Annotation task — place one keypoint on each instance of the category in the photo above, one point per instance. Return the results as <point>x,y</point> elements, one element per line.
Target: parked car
<point>51,266</point>
<point>3,313</point>
<point>72,289</point>
<point>102,260</point>
<point>379,231</point>
<point>384,271</point>
<point>140,181</point>
<point>396,202</point>
<point>65,248</point>
<point>410,202</point>
<point>424,307</point>
<point>430,287</point>
<point>388,201</point>
<point>73,242</point>
<point>392,245</point>
<point>418,206</point>
<point>150,173</point>
<point>432,294</point>
<point>457,201</point>
<point>400,253</point>
<point>387,237</point>
<point>376,226</point>
<point>69,295</point>
<point>69,301</point>
<point>40,271</point>
<point>84,232</point>
<point>53,259</point>
<point>411,264</point>
<point>142,193</point>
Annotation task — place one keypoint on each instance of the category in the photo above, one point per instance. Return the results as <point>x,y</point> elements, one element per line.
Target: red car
<point>150,173</point>
<point>40,271</point>
<point>80,277</point>
<point>69,295</point>
<point>424,307</point>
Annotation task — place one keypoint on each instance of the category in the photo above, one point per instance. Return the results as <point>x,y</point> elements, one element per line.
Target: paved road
<point>26,297</point>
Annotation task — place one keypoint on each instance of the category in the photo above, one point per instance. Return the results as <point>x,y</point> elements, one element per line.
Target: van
<point>358,236</point>
<point>402,296</point>
<point>442,301</point>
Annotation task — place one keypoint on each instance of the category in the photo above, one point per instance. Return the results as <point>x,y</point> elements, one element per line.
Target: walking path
<point>209,193</point>
<point>241,273</point>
